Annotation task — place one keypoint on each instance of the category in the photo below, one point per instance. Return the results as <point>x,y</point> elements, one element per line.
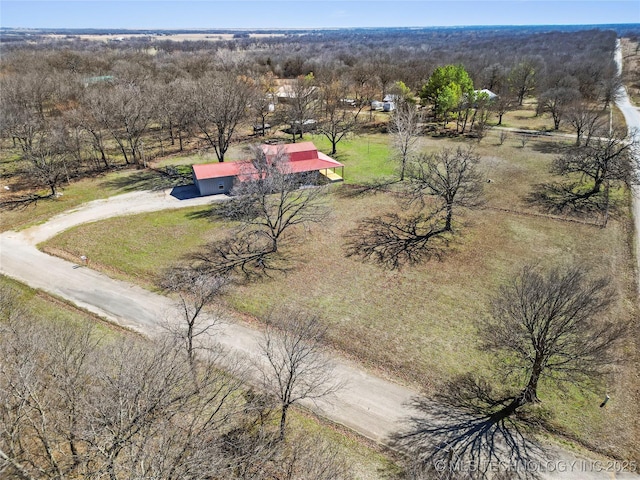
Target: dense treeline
<point>71,107</point>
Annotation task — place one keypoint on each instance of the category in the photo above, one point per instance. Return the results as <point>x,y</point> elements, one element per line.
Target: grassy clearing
<point>417,324</point>
<point>631,66</point>
<point>366,462</point>
<point>138,247</point>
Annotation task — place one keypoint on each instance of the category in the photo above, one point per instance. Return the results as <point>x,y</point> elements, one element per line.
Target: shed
<point>214,178</point>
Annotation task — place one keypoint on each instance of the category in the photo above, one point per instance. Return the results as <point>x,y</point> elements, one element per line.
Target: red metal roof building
<point>213,178</point>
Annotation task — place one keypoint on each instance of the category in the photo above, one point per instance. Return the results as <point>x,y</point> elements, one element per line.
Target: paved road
<point>368,404</point>
<point>632,117</point>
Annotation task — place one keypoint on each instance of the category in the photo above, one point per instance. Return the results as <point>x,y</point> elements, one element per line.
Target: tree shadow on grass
<point>466,433</point>
<point>204,213</point>
<point>375,187</point>
<point>552,147</point>
<point>149,179</point>
<point>567,199</point>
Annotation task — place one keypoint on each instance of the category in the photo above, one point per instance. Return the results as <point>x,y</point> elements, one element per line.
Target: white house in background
<point>490,94</point>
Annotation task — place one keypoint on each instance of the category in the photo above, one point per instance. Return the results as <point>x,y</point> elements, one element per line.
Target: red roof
<point>295,151</point>
<point>217,170</point>
<point>303,157</point>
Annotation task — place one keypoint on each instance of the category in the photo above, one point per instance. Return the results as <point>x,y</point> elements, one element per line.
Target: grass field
<point>417,324</point>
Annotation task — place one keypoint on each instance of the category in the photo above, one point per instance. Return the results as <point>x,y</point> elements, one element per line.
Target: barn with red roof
<point>304,157</point>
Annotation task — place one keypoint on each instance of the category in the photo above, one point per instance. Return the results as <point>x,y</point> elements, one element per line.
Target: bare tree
<point>609,89</point>
<point>148,415</point>
<point>173,106</point>
<point>585,120</point>
<point>301,104</point>
<point>76,404</point>
<point>89,115</point>
<point>552,324</point>
<point>504,103</point>
<point>270,198</point>
<point>404,126</point>
<point>440,182</point>
<point>196,290</point>
<point>296,366</point>
<point>20,120</point>
<point>124,111</point>
<point>524,77</point>
<point>494,77</point>
<point>524,139</point>
<point>450,176</point>
<point>220,103</point>
<point>606,160</point>
<point>338,118</point>
<point>384,71</point>
<point>45,375</point>
<point>269,204</point>
<point>263,99</point>
<point>556,102</point>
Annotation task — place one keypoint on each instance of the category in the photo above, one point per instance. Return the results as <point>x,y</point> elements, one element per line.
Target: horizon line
<point>229,29</point>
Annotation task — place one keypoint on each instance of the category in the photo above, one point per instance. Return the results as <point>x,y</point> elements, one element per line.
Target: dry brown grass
<point>418,324</point>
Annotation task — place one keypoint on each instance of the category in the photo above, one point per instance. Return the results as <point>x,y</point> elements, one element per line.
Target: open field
<point>432,337</point>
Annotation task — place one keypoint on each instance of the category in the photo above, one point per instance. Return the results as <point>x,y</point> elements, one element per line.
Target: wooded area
<point>169,407</point>
<point>73,107</point>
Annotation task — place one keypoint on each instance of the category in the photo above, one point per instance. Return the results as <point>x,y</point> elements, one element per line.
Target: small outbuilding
<point>304,157</point>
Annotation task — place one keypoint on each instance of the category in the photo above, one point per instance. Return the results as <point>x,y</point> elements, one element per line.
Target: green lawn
<point>417,324</point>
<point>137,247</point>
<point>366,157</point>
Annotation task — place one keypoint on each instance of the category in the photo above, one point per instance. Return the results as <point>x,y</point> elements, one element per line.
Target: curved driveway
<point>369,405</point>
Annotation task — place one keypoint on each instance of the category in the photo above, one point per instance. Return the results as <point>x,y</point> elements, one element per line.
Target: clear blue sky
<point>173,14</point>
